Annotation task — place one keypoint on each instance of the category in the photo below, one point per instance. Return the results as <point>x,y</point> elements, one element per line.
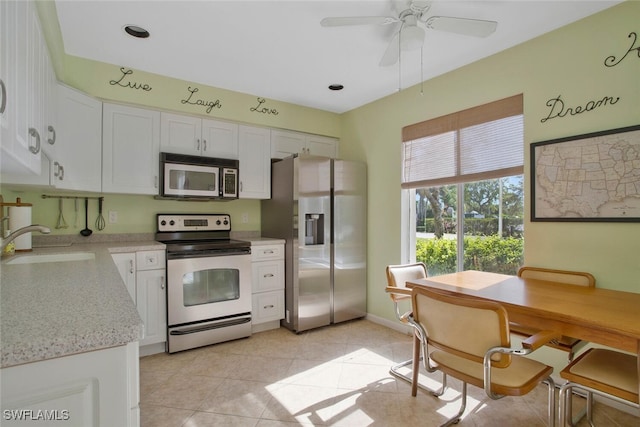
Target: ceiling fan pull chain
<point>421,71</point>
<point>400,57</point>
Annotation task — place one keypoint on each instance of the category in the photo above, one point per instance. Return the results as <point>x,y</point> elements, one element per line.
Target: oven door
<point>190,180</point>
<point>206,288</point>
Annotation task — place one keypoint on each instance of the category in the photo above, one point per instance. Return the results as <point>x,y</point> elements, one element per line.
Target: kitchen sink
<point>62,257</point>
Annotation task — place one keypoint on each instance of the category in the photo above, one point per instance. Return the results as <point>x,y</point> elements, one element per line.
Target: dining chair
<point>469,339</point>
<point>397,276</point>
<point>568,344</point>
<point>605,372</point>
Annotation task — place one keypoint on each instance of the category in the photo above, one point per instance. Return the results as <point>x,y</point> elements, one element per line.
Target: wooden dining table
<point>603,316</point>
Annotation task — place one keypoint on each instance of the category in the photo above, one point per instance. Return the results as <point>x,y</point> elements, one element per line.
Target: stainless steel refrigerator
<point>319,207</point>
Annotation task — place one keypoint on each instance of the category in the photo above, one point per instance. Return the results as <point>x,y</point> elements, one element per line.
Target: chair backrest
<point>562,276</point>
<point>465,327</point>
<point>398,275</point>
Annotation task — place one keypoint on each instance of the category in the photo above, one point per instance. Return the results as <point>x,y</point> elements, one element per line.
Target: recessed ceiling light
<point>135,31</point>
<point>336,87</point>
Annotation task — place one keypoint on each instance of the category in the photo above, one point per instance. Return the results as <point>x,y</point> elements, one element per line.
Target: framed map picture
<point>593,177</point>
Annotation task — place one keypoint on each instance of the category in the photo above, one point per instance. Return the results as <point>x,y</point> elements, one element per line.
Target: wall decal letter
<point>208,104</point>
<point>132,85</point>
<point>611,61</point>
<point>558,109</point>
<point>259,109</point>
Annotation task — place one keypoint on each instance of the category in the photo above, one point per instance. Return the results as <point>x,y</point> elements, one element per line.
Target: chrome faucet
<point>20,231</point>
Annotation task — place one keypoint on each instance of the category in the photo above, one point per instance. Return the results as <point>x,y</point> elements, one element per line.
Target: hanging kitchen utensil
<point>61,223</point>
<point>86,232</point>
<point>75,218</point>
<point>100,220</point>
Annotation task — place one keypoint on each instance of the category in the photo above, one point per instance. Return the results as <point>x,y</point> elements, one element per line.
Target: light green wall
<point>567,62</point>
<point>136,214</point>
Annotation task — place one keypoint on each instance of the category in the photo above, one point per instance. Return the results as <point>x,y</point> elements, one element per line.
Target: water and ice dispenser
<point>314,229</point>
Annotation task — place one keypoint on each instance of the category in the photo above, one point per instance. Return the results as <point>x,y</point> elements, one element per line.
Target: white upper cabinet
<point>255,162</point>
<point>321,146</point>
<point>198,137</point>
<point>285,143</point>
<point>24,99</point>
<point>130,150</point>
<point>78,161</point>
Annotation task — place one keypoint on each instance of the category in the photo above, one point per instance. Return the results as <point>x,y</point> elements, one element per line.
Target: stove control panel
<point>193,222</point>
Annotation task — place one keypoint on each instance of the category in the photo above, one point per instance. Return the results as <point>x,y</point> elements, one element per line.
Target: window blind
<point>479,143</point>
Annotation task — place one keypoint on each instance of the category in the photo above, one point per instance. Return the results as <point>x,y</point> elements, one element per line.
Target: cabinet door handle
<point>53,132</point>
<point>3,88</point>
<point>61,172</point>
<point>266,276</point>
<point>34,133</point>
<point>268,306</point>
<point>161,282</point>
<point>204,145</point>
<point>155,181</point>
<point>197,144</point>
<point>56,169</point>
<point>268,252</point>
<point>131,266</point>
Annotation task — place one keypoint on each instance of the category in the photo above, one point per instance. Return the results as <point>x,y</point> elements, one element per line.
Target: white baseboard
<point>148,350</point>
<point>391,324</point>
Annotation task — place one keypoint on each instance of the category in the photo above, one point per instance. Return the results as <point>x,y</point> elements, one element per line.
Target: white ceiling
<point>278,50</point>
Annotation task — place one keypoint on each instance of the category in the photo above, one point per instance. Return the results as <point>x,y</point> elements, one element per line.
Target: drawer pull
<point>267,275</point>
<point>267,252</point>
<point>268,306</point>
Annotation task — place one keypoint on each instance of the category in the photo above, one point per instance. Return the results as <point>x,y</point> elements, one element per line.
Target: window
<point>462,175</point>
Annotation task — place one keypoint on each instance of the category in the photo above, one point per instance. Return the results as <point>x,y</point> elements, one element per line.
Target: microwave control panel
<point>194,222</point>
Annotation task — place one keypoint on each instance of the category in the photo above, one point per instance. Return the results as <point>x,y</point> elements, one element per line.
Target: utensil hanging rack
<point>45,196</point>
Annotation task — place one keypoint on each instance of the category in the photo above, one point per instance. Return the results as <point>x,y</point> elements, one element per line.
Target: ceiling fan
<point>408,35</point>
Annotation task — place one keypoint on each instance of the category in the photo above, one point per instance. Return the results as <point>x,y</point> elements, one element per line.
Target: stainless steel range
<point>208,280</point>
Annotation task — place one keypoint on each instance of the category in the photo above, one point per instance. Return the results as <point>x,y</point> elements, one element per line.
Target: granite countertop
<point>258,241</point>
<point>56,309</point>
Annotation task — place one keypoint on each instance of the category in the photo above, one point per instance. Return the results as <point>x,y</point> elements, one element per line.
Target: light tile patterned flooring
<point>333,376</point>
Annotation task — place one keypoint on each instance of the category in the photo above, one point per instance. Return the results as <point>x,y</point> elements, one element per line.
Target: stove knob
<point>163,222</point>
<point>226,222</point>
<point>218,222</point>
<point>172,222</point>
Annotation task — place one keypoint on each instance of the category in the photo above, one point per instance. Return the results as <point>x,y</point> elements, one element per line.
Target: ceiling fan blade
<point>467,27</point>
<point>357,20</point>
<point>392,53</point>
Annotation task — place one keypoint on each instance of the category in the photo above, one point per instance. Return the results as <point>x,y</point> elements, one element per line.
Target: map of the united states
<point>597,177</point>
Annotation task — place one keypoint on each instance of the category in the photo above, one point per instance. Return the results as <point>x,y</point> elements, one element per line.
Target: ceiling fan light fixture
<point>411,38</point>
<point>336,87</point>
<point>136,31</point>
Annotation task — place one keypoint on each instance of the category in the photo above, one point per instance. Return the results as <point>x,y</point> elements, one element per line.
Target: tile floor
<point>333,376</point>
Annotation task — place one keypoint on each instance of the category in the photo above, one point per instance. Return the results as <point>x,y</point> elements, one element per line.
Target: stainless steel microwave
<point>184,176</point>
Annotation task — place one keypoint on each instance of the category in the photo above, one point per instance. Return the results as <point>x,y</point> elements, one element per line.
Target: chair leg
<point>551,415</point>
<point>416,365</point>
<point>566,407</point>
<point>456,418</point>
<point>415,371</point>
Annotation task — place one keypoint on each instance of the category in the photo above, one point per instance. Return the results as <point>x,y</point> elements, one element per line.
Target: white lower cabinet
<point>126,263</point>
<point>144,274</point>
<point>267,281</point>
<point>151,300</point>
<point>97,388</point>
